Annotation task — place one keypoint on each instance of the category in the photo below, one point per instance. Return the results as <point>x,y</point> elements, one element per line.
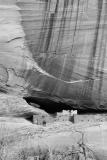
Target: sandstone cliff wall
<point>58,47</point>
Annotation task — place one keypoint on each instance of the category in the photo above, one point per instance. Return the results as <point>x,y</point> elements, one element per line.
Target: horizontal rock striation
<point>52,53</point>
<point>56,47</point>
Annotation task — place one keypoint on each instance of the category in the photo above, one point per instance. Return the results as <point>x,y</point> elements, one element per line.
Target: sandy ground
<point>19,135</point>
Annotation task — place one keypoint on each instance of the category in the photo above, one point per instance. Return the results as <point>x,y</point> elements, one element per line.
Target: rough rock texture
<point>13,106</point>
<point>56,47</point>
<point>53,51</point>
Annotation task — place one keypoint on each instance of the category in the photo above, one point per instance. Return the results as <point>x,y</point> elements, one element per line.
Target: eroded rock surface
<point>13,106</point>
<point>56,47</point>
<point>53,51</point>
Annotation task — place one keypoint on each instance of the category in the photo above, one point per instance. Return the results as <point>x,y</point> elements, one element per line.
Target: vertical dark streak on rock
<point>99,56</point>
<point>75,26</point>
<point>62,25</point>
<point>77,14</point>
<point>49,32</point>
<point>44,27</point>
<point>42,37</point>
<point>103,56</point>
<point>73,58</point>
<point>50,25</point>
<point>101,75</point>
<point>62,29</point>
<point>72,2</point>
<point>52,21</point>
<point>90,70</point>
<point>56,8</point>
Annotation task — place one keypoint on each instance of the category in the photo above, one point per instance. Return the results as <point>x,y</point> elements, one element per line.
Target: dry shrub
<point>25,150</point>
<point>72,153</point>
<point>38,154</point>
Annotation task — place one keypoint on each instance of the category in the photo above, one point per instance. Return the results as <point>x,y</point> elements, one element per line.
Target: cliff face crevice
<point>54,47</point>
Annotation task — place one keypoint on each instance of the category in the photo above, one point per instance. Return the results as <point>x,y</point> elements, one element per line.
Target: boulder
<point>14,106</point>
